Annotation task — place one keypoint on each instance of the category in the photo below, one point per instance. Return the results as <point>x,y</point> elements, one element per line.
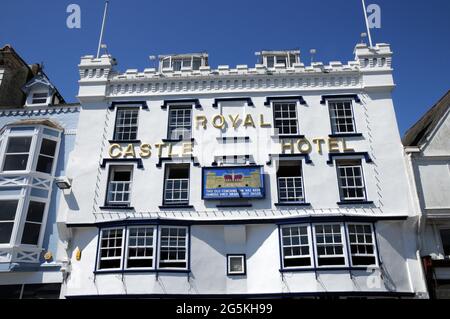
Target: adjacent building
<point>37,133</point>
<point>427,147</point>
<point>278,180</point>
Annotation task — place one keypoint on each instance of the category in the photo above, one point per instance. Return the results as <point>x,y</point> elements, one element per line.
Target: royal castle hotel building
<point>278,180</point>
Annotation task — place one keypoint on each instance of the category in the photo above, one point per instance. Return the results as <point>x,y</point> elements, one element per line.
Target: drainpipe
<point>409,151</point>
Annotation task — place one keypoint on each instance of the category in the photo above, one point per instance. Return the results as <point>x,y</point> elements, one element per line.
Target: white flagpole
<point>103,27</point>
<point>367,23</point>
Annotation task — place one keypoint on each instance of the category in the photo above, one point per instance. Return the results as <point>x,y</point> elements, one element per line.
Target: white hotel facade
<point>281,180</point>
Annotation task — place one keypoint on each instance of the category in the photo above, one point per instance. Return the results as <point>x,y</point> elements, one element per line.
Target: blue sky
<point>231,31</point>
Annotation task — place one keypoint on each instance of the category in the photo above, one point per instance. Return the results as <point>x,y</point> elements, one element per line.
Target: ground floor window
<point>138,247</point>
<point>325,245</point>
<point>30,291</point>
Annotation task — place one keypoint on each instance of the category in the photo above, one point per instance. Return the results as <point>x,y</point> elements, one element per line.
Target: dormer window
<point>180,62</point>
<point>39,98</point>
<point>285,58</point>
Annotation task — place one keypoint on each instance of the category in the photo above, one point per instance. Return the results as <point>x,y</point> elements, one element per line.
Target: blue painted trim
<point>170,159</point>
<point>157,271</point>
<point>196,103</point>
<point>280,245</point>
<point>140,165</point>
<point>332,156</point>
<point>341,135</point>
<point>305,156</point>
<point>313,246</point>
<point>276,221</point>
<point>143,104</point>
<point>347,245</point>
<point>225,99</point>
<point>157,247</point>
<point>124,141</point>
<point>342,96</point>
<point>270,99</point>
<point>355,202</point>
<point>245,265</point>
<point>97,252</point>
<point>188,253</point>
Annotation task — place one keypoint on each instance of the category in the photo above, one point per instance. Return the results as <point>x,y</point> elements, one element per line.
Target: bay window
<point>173,247</point>
<point>296,246</point>
<point>17,153</point>
<point>33,223</point>
<point>8,209</point>
<point>111,250</point>
<point>46,156</point>
<point>141,247</point>
<point>362,244</point>
<point>330,250</point>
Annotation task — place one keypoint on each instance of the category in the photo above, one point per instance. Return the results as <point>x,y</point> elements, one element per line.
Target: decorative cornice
<point>43,111</point>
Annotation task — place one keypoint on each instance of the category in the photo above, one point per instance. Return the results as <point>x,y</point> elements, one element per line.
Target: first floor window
<point>111,248</point>
<point>46,156</point>
<point>329,245</point>
<point>290,182</point>
<point>180,122</point>
<point>119,186</point>
<point>285,118</point>
<point>17,153</point>
<point>445,239</point>
<point>362,245</point>
<point>341,116</point>
<point>141,247</point>
<point>8,210</point>
<point>126,124</point>
<point>173,247</point>
<point>176,184</point>
<point>296,248</point>
<point>33,223</point>
<point>351,181</point>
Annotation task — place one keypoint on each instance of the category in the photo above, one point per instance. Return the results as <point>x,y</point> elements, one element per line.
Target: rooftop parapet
<point>378,57</point>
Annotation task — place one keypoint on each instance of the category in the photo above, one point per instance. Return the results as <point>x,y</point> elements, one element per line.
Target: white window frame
<point>16,222</point>
<point>119,168</point>
<point>243,263</point>
<point>127,126</point>
<point>30,152</point>
<point>375,252</point>
<point>310,245</point>
<point>341,188</point>
<point>183,59</point>
<point>297,118</point>
<point>179,107</point>
<point>187,245</point>
<point>33,98</point>
<point>343,243</point>
<point>99,250</point>
<point>54,157</point>
<point>334,126</point>
<point>286,56</point>
<point>166,179</point>
<point>301,176</point>
<point>153,246</point>
<point>43,222</point>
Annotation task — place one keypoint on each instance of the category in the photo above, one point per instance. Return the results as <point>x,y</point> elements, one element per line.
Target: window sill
<point>175,206</point>
<point>124,141</point>
<point>331,268</point>
<point>291,204</point>
<point>345,135</point>
<point>116,207</point>
<point>356,202</point>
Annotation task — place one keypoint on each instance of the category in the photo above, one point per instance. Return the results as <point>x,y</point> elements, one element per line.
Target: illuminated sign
<point>233,182</point>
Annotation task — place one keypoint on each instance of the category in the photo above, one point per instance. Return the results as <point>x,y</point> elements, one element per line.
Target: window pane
<point>5,232</point>
<point>35,212</point>
<point>48,147</point>
<point>31,234</point>
<point>8,210</point>
<point>19,145</point>
<point>44,164</point>
<point>15,162</point>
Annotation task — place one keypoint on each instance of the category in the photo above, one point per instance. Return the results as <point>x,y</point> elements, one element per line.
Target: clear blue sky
<point>231,31</point>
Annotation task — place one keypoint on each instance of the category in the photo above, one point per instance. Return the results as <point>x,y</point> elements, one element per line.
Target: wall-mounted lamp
<point>63,182</point>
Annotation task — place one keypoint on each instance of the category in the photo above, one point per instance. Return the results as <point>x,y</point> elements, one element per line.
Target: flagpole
<point>367,23</point>
<point>103,27</point>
